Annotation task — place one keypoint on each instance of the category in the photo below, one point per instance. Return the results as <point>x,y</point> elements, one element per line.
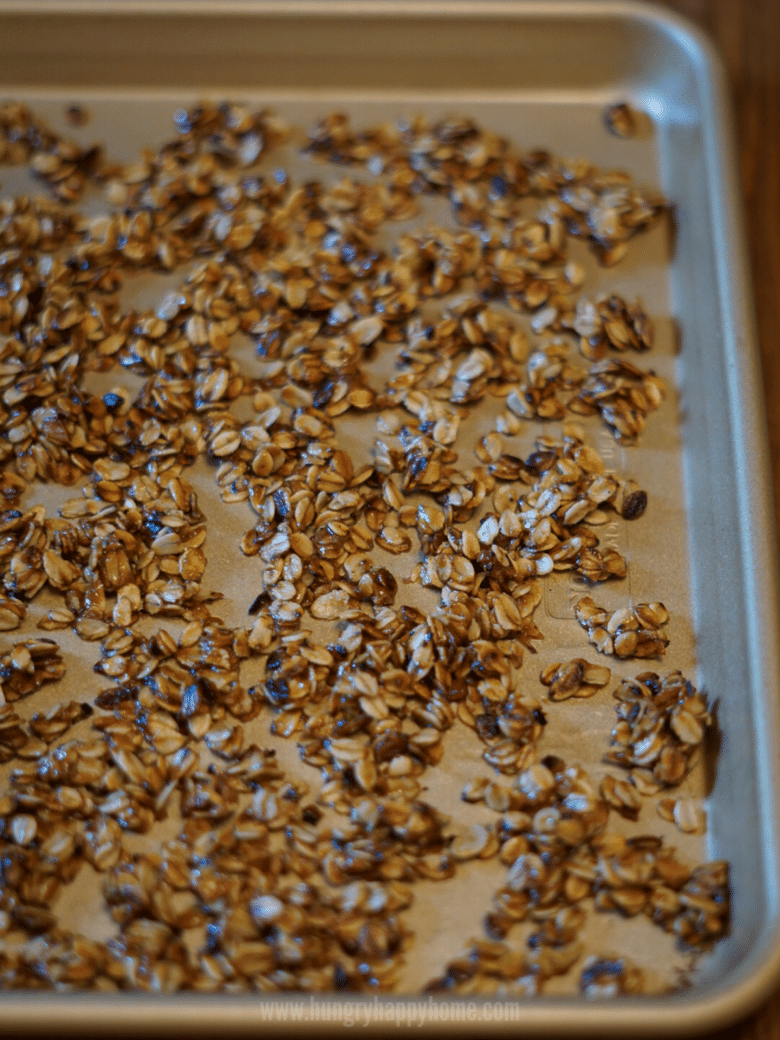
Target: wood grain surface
<point>747,34</point>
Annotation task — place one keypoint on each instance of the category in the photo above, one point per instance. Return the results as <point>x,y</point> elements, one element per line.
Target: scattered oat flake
<point>395,548</point>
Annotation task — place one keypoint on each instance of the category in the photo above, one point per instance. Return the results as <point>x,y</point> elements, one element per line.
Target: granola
<point>393,598</point>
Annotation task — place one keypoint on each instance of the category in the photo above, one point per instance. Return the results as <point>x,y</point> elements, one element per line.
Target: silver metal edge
<point>754,980</point>
<point>680,1014</point>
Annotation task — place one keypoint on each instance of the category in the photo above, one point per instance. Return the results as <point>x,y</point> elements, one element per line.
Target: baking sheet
<point>567,119</point>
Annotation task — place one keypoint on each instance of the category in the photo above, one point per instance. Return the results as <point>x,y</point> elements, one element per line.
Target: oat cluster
<point>662,722</point>
<point>389,600</point>
<point>559,853</point>
<point>638,631</point>
<point>575,678</point>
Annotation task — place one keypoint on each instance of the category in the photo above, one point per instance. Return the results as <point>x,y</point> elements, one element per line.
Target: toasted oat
<point>576,678</point>
<point>605,977</point>
<point>609,323</point>
<point>662,724</point>
<point>620,119</point>
<point>622,394</point>
<point>628,632</point>
<point>12,613</point>
<point>266,886</point>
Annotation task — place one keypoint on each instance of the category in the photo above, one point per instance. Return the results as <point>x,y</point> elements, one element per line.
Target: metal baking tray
<point>540,73</point>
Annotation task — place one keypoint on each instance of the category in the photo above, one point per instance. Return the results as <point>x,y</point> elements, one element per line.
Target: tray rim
<point>758,973</point>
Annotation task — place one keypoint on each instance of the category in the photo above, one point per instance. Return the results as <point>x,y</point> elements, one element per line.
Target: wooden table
<point>747,34</point>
